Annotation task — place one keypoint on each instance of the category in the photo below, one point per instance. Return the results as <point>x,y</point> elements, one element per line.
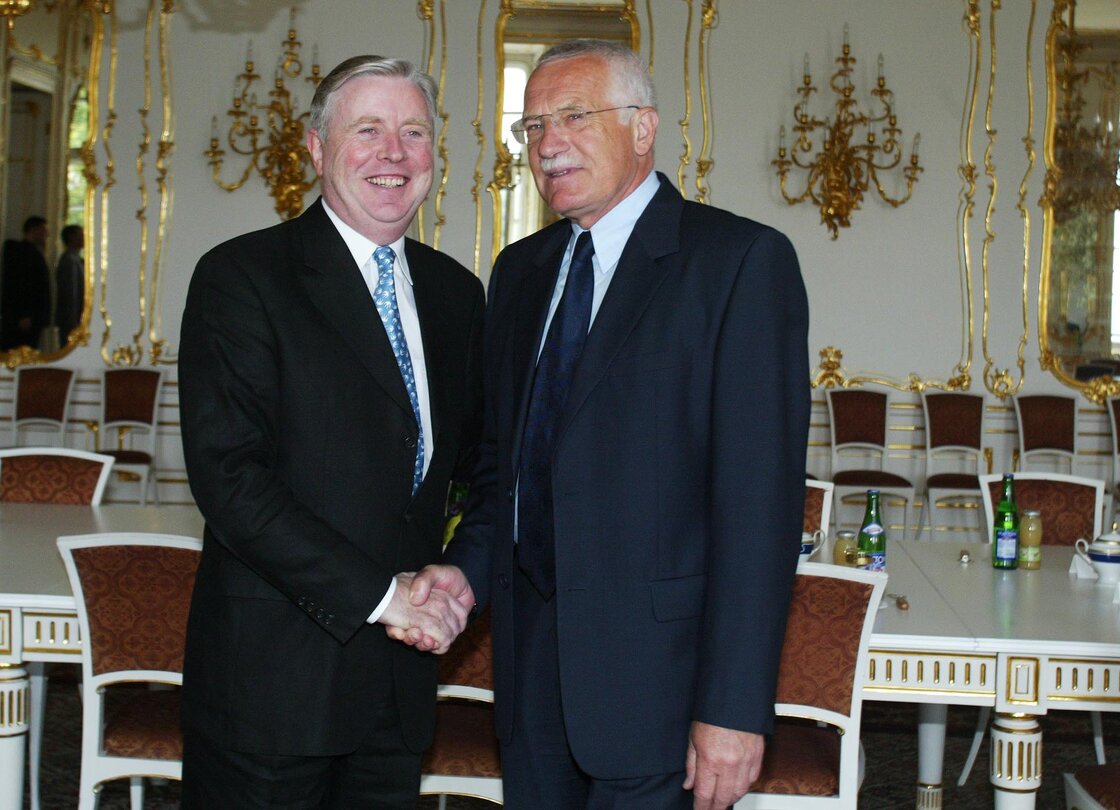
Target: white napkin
<point>1080,567</point>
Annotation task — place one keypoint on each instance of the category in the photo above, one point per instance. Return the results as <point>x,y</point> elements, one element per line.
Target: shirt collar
<point>613,230</point>
<point>362,248</point>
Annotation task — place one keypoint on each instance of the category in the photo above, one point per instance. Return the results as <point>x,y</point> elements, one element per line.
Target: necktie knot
<point>384,257</point>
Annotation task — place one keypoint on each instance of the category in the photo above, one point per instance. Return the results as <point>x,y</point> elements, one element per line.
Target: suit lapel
<point>535,286</point>
<point>644,265</point>
<point>335,286</point>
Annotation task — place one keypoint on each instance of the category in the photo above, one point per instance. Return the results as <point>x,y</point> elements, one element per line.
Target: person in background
<point>329,387</point>
<point>632,521</point>
<point>25,296</point>
<point>70,281</point>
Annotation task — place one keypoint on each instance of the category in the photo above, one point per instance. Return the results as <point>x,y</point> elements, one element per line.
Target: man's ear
<point>315,147</point>
<point>645,130</point>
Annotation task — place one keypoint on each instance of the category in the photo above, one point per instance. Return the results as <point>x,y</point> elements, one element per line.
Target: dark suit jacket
<point>25,292</point>
<point>300,442</point>
<point>678,481</point>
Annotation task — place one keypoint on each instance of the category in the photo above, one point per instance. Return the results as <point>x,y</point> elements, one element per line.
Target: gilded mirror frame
<point>1102,387</point>
<point>538,21</point>
<point>75,64</point>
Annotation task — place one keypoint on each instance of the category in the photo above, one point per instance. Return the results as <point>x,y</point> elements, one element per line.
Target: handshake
<point>429,609</point>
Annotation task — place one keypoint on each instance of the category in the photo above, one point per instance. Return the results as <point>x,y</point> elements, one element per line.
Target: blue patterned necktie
<point>385,299</point>
<point>536,542</point>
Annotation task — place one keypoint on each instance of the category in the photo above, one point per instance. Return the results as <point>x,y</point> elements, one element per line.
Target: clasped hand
<point>429,609</point>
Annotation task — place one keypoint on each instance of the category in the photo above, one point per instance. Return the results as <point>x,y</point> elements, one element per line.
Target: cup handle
<point>1081,548</point>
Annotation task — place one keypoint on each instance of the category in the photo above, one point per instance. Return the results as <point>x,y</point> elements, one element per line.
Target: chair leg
<point>443,801</point>
<point>977,740</point>
<point>37,675</point>
<point>136,792</point>
<point>1098,736</point>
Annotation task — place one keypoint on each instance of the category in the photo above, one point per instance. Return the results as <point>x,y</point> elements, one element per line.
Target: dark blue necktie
<point>536,549</point>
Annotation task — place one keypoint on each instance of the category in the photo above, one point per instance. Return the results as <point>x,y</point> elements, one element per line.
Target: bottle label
<point>872,529</point>
<point>1007,544</point>
<point>878,561</point>
<point>1030,554</point>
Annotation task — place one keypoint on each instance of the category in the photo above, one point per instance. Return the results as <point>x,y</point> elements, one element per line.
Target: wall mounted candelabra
<point>855,147</point>
<point>270,134</point>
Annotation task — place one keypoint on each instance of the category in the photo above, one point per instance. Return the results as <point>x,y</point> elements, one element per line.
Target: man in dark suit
<point>25,290</point>
<point>70,281</point>
<point>330,387</point>
<point>634,517</point>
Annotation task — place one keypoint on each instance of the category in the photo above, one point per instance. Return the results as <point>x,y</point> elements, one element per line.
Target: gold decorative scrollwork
<point>830,374</point>
<point>426,11</point>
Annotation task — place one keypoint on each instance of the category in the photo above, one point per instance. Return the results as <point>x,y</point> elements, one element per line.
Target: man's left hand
<point>722,764</point>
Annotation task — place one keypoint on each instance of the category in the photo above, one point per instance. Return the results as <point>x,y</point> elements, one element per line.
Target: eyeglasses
<point>530,129</point>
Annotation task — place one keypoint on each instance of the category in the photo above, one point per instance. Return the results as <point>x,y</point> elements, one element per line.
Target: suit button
<point>320,614</point>
<point>509,495</point>
<point>503,580</point>
<point>301,601</point>
<point>410,442</point>
<point>408,517</point>
<point>328,618</point>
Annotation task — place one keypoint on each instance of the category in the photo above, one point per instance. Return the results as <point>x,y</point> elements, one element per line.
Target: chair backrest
<point>954,425</point>
<point>857,421</point>
<point>1070,506</point>
<point>818,505</point>
<point>466,670</point>
<point>1047,428</point>
<point>825,655</point>
<point>130,398</point>
<point>42,397</point>
<point>133,593</point>
<point>53,475</point>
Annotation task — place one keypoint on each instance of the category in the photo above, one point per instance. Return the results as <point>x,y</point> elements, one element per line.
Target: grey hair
<point>629,74</point>
<point>387,67</point>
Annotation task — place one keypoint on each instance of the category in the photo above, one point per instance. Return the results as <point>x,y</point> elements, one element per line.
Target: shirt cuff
<point>384,603</point>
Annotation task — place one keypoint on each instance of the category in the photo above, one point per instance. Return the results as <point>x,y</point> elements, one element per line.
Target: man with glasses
<point>632,521</point>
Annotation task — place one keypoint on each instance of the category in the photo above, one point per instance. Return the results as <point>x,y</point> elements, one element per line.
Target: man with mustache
<point>633,518</point>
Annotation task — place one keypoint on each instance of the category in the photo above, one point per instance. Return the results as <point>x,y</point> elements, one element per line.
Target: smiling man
<point>329,388</point>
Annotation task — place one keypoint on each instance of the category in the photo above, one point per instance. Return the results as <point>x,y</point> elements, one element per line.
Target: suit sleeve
<point>230,398</point>
<point>761,402</point>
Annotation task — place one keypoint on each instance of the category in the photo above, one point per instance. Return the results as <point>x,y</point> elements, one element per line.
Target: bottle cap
<point>1031,513</point>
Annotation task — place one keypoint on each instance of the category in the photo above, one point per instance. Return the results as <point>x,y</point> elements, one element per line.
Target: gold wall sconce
<point>846,163</point>
<point>10,9</point>
<point>270,133</point>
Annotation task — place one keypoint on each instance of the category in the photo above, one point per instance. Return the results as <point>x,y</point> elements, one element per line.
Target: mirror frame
<point>75,64</point>
<point>1101,388</point>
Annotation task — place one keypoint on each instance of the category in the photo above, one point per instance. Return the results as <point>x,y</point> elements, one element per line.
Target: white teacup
<point>1103,558</point>
<point>811,543</point>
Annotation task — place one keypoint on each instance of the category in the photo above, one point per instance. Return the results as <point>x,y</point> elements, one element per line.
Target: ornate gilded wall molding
<point>967,171</point>
<point>480,137</point>
<point>101,261</point>
<point>426,11</point>
<point>704,159</point>
<point>830,374</point>
<point>686,121</point>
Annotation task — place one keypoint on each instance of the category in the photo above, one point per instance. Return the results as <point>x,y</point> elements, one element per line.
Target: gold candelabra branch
<point>269,133</point>
<point>845,166</point>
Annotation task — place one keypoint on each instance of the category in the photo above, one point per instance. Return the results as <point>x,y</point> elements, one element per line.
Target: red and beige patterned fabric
<point>48,479</point>
<point>465,744</point>
<point>136,599</point>
<point>801,759</point>
<point>469,662</point>
<point>1067,508</point>
<point>1102,782</point>
<point>142,723</point>
<point>42,393</point>
<point>822,643</point>
<point>814,506</point>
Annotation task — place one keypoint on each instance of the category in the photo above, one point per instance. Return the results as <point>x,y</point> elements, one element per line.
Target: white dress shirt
<point>362,249</point>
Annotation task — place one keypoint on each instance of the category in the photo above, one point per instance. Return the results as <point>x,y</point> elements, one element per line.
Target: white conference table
<point>37,613</point>
<point>1021,642</point>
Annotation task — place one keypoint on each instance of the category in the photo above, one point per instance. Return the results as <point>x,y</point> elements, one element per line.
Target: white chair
<point>129,403</point>
<point>42,404</point>
<point>464,758</point>
<point>954,427</point>
<point>818,505</point>
<point>1047,426</point>
<point>49,475</point>
<point>857,422</point>
<point>1070,506</point>
<point>814,757</point>
<point>130,732</point>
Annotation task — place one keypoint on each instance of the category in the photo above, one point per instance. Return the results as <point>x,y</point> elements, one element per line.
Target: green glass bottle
<point>872,541</point>
<point>1005,532</point>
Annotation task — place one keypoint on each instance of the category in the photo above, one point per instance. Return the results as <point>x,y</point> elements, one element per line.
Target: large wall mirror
<point>1079,297</point>
<point>524,30</point>
<point>45,287</point>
